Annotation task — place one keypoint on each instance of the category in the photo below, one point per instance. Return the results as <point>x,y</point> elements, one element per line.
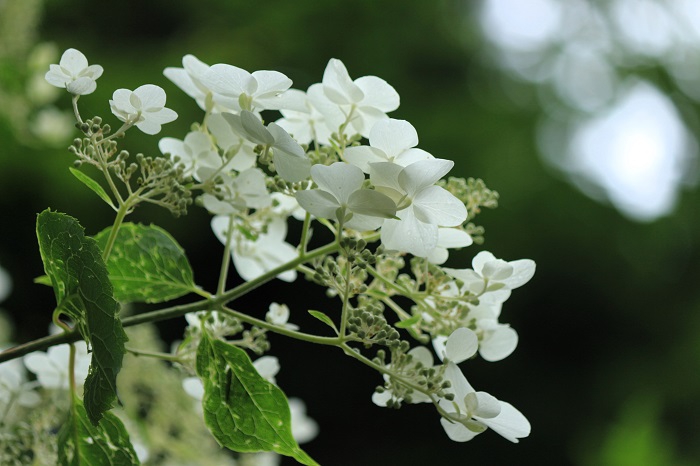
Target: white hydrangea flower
<point>448,238</point>
<point>365,100</point>
<point>239,150</point>
<point>290,160</point>
<point>74,73</point>
<point>278,314</point>
<point>419,354</point>
<point>302,119</point>
<point>475,411</point>
<point>51,367</point>
<point>495,278</point>
<point>14,387</point>
<point>255,257</point>
<point>304,429</point>
<point>143,107</point>
<point>248,190</point>
<point>422,206</point>
<point>195,152</point>
<point>189,78</point>
<point>340,193</point>
<point>236,89</point>
<point>390,140</point>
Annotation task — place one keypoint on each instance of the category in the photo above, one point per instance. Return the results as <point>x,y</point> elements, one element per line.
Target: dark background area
<point>607,365</point>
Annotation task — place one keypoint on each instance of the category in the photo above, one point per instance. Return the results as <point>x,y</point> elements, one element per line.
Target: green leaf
<point>323,318</point>
<point>410,322</point>
<point>245,412</point>
<point>92,184</point>
<point>147,264</point>
<point>83,291</point>
<point>82,444</point>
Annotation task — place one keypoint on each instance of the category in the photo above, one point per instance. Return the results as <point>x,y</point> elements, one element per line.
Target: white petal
<point>290,167</point>
<point>284,142</point>
<point>487,406</point>
<point>510,423</point>
<point>423,173</point>
<point>438,206</point>
<point>74,61</point>
<point>461,345</point>
<point>362,156</point>
<point>82,86</point>
<point>453,238</point>
<point>267,367</point>
<point>456,431</point>
<point>480,259</point>
<point>338,86</point>
<point>340,179</point>
<point>409,234</point>
<point>393,136</point>
<point>378,93</point>
<point>253,128</point>
<point>229,80</point>
<point>193,386</point>
<point>412,156</point>
<point>499,344</point>
<point>423,355</point>
<point>270,84</point>
<point>373,203</point>
<point>318,203</point>
<point>152,97</point>
<point>523,271</point>
<point>497,270</point>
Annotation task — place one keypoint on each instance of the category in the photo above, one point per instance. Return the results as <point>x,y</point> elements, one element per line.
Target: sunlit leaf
<point>146,264</point>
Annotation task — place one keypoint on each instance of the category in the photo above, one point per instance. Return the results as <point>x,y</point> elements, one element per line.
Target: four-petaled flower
<point>236,89</point>
<point>472,412</point>
<point>422,206</point>
<point>143,107</point>
<point>74,73</point>
<point>389,141</point>
<point>358,104</point>
<point>341,196</point>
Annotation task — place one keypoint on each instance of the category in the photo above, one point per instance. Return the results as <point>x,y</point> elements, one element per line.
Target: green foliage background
<point>609,354</point>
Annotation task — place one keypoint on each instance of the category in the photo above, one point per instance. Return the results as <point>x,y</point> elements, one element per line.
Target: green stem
<point>346,300</point>
<point>154,354</point>
<point>75,109</point>
<point>121,213</point>
<point>173,311</point>
<point>226,259</point>
<point>331,341</point>
<point>305,233</point>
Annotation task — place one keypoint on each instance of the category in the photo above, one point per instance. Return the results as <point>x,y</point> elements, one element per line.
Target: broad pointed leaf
<point>147,264</point>
<point>82,444</point>
<point>245,412</point>
<point>83,291</point>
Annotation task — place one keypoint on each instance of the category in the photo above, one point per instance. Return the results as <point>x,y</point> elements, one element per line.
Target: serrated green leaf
<point>83,291</point>
<point>245,412</point>
<point>147,264</point>
<point>323,318</point>
<point>82,444</point>
<point>410,322</point>
<point>93,185</point>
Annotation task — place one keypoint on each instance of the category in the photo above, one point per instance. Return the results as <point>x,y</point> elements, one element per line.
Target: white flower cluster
<point>312,163</point>
<point>388,184</point>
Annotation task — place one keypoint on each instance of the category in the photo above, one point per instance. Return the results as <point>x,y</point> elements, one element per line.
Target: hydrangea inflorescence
<point>333,158</point>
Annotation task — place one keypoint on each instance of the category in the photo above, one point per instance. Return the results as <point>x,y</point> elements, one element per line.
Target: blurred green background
<point>607,368</point>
